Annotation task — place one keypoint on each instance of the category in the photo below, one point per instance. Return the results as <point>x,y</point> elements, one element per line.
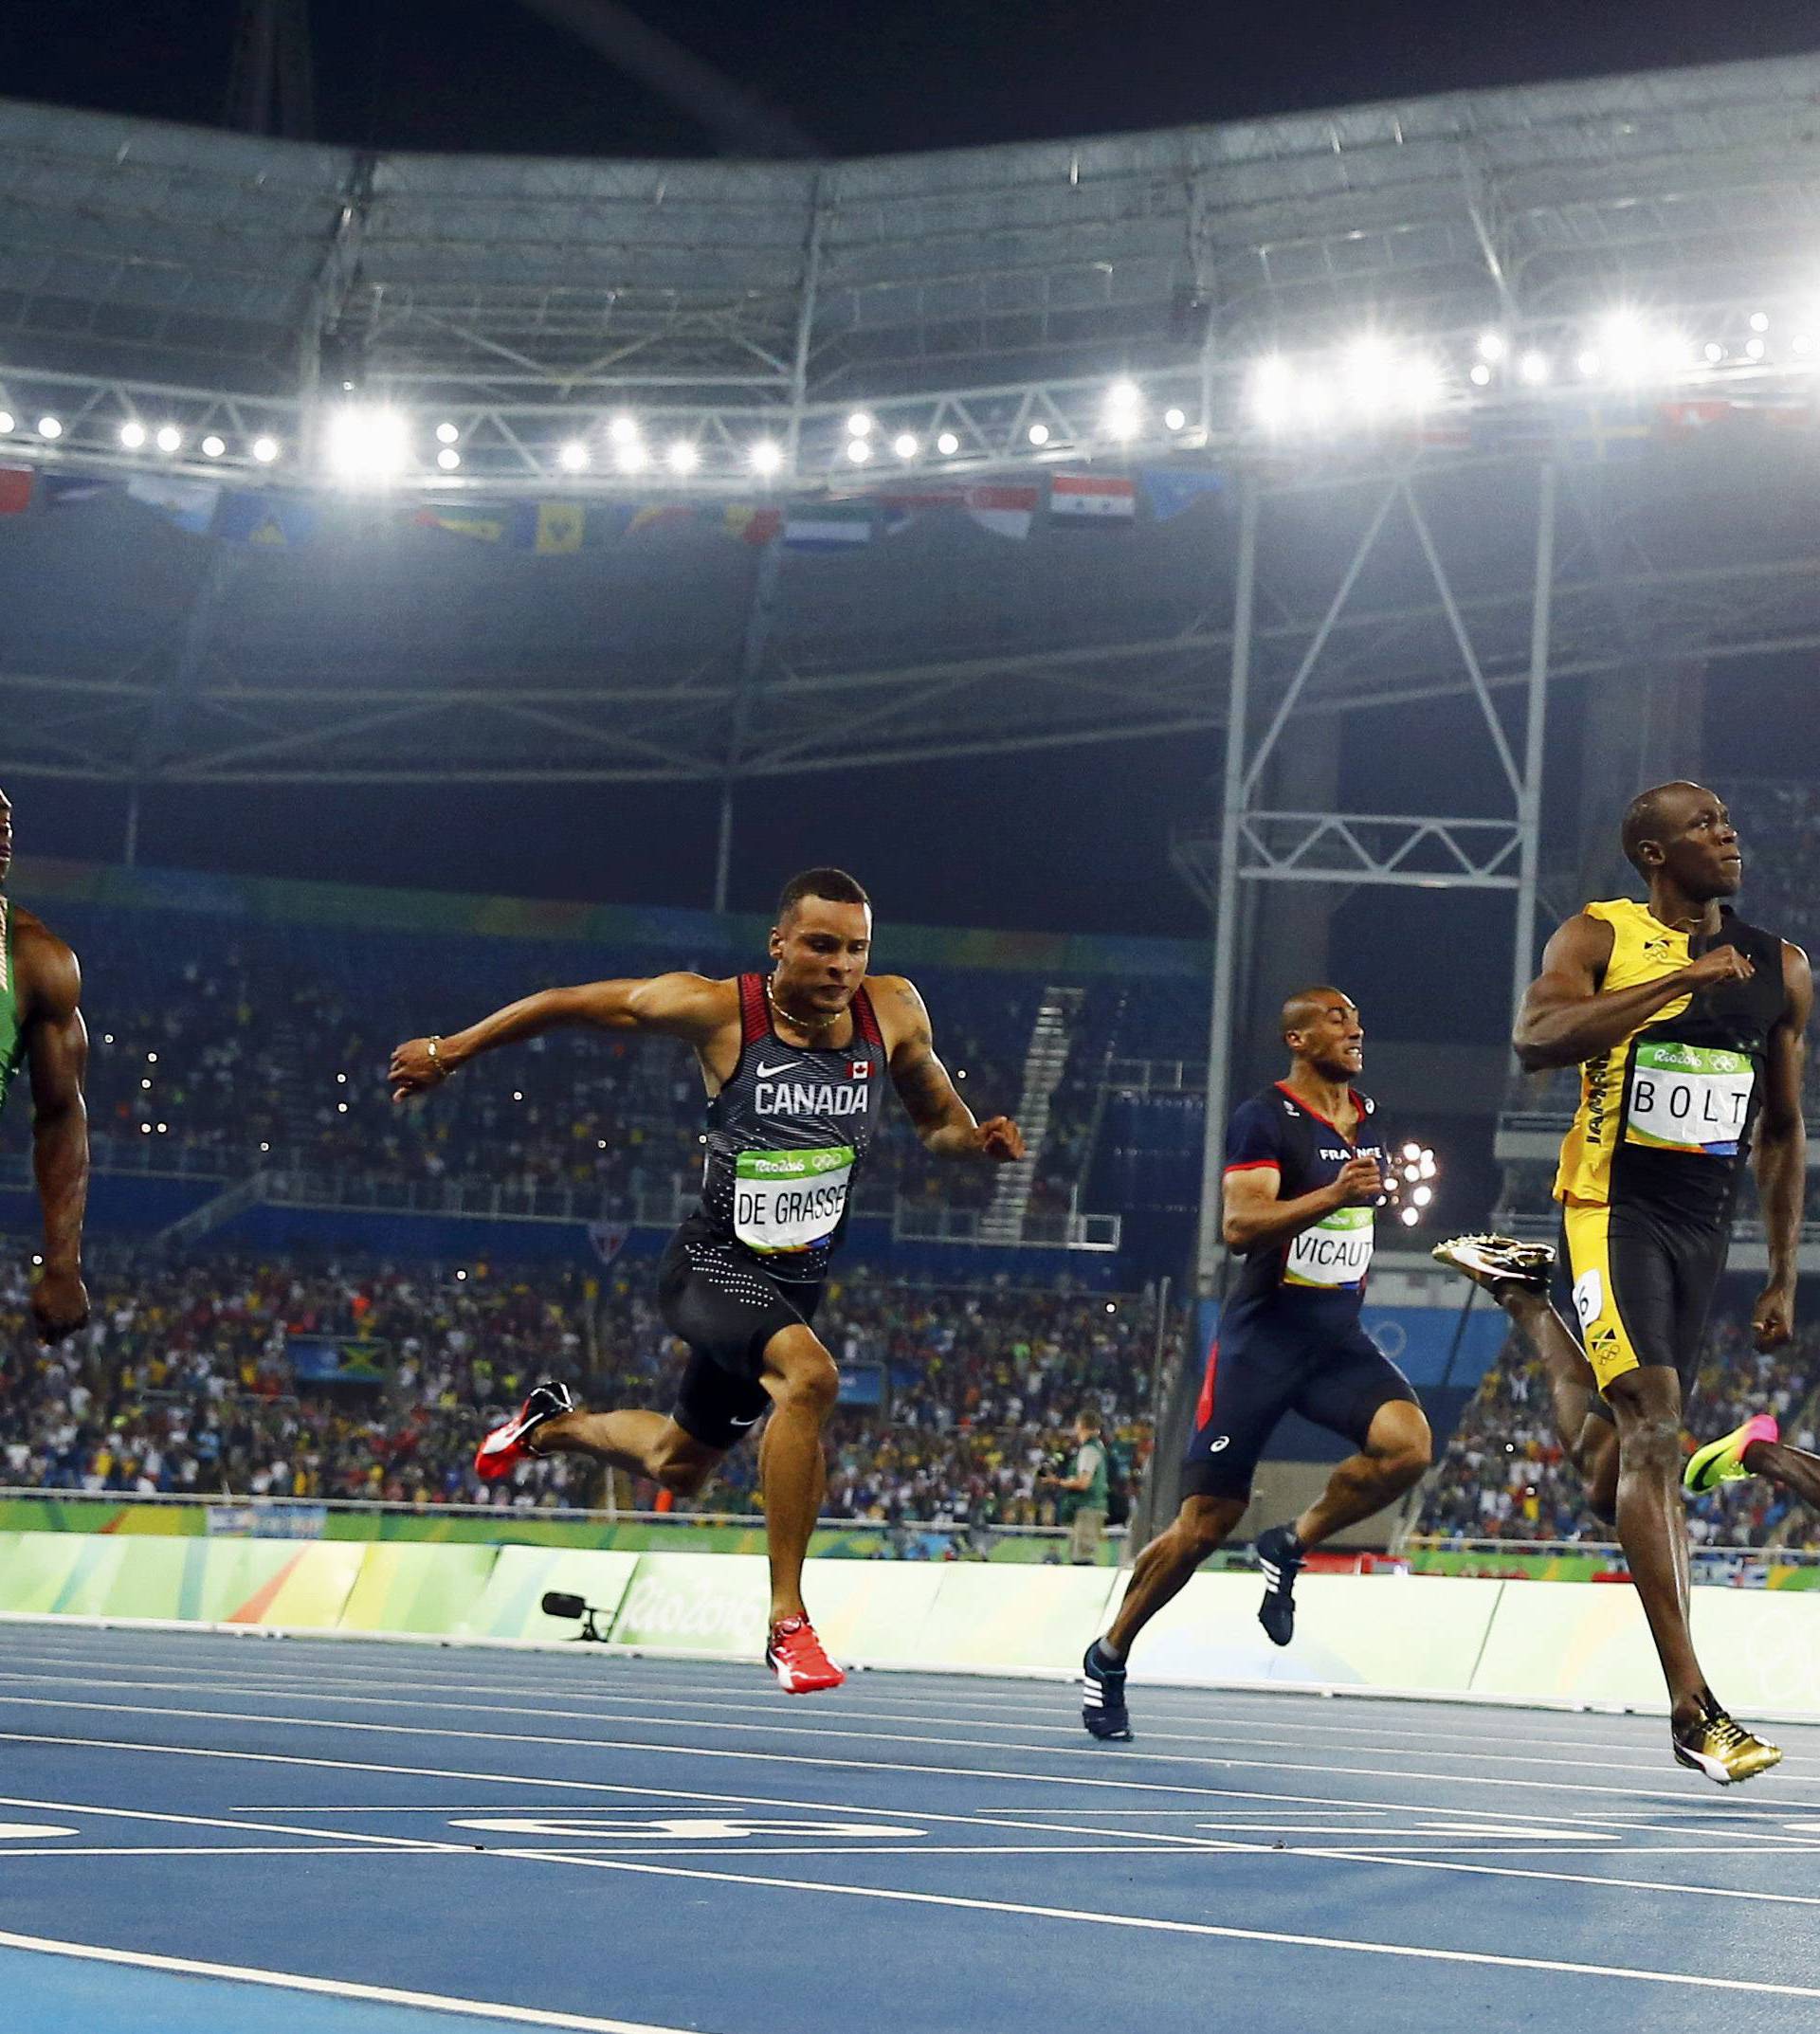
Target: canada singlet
<point>785,1136</point>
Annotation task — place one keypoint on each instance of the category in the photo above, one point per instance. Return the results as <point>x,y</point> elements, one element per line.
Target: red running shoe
<point>506,1446</point>
<point>794,1654</point>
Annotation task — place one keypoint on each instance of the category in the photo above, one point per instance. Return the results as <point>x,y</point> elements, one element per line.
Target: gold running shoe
<point>1722,1461</point>
<point>1723,1750</point>
<point>1491,1261</point>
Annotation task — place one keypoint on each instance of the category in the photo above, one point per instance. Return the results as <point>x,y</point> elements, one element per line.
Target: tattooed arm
<point>942,1120</point>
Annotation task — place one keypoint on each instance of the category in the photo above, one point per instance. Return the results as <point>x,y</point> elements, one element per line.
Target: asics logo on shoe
<point>1225,1441</point>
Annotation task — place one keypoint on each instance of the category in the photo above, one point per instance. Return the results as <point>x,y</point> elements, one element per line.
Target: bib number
<point>1689,1098</point>
<point>786,1200</point>
<point>1336,1251</point>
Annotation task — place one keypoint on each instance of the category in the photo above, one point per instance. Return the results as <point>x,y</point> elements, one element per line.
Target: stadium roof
<point>150,271</point>
<point>711,290</point>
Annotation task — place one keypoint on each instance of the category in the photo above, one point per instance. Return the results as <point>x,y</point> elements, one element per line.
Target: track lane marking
<point>328,1987</point>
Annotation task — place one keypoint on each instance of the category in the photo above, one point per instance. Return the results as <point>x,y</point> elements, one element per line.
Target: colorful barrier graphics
<point>1501,1641</point>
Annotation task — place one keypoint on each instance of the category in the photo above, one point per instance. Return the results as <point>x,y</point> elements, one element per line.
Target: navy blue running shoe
<point>1102,1697</point>
<point>1280,1555</point>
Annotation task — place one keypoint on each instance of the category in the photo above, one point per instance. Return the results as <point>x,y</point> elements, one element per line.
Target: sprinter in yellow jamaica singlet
<point>1687,1026</point>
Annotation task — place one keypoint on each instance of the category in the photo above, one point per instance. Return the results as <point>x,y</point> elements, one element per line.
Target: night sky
<point>982,845</point>
<point>490,75</point>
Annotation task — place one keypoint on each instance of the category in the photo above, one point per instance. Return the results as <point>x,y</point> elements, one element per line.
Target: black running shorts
<point>1256,1375</point>
<point>727,1310</point>
<point>1643,1287</point>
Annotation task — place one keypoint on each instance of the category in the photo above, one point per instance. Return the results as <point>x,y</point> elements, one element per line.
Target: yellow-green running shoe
<point>1722,1461</point>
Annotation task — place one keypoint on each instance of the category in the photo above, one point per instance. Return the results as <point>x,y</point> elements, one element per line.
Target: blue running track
<point>226,1836</point>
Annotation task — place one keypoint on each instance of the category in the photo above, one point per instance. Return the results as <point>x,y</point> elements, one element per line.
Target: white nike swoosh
<point>752,1422</point>
<point>766,1073</point>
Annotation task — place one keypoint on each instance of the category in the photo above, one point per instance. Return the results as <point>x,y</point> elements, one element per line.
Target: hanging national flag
<point>190,504</point>
<point>900,508</point>
<point>274,522</point>
<point>75,490</point>
<point>481,525</point>
<point>15,490</point>
<point>657,515</point>
<point>607,1239</point>
<point>1003,511</point>
<point>552,529</point>
<point>1170,490</point>
<point>828,526</point>
<point>1092,497</point>
<point>753,525</point>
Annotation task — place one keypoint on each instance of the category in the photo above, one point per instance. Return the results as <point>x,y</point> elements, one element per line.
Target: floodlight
<point>213,448</point>
<point>1492,346</point>
<point>1174,419</point>
<point>1589,363</point>
<point>51,427</point>
<point>947,444</point>
<point>1754,348</point>
<point>449,458</point>
<point>573,455</point>
<point>1533,368</point>
<point>446,433</point>
<point>365,443</point>
<point>858,425</point>
<point>858,450</point>
<point>631,457</point>
<point>767,455</point>
<point>264,451</point>
<point>683,456</point>
<point>1273,386</point>
<point>6,420</point>
<point>170,438</point>
<point>132,436</point>
<point>621,431</point>
<point>1802,343</point>
<point>1759,321</point>
<point>1039,434</point>
<point>904,446</point>
<point>1480,374</point>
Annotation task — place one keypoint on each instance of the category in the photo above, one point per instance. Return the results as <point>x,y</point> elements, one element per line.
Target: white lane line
<point>1267,1702</point>
<point>207,1850</point>
<point>602,1787</point>
<point>1160,1925</point>
<point>321,1690</point>
<point>238,1824</point>
<point>329,1987</point>
<point>1478,1745</point>
<point>762,1757</point>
